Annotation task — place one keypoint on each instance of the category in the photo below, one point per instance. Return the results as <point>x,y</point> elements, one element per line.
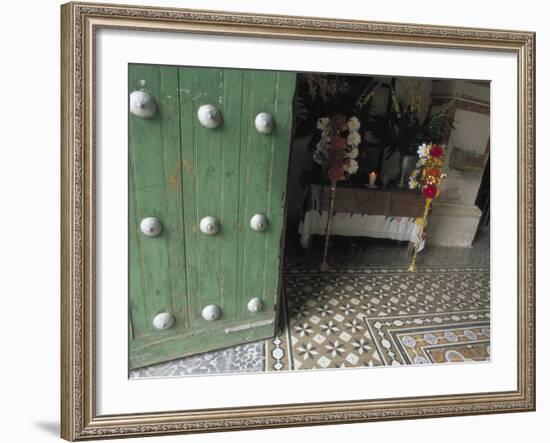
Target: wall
<point>469,138</point>
<point>29,251</point>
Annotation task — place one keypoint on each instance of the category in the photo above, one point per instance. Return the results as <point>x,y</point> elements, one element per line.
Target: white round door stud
<point>209,116</point>
<point>209,225</point>
<point>150,226</point>
<point>255,305</point>
<point>164,320</point>
<point>211,312</point>
<point>264,123</point>
<point>142,104</point>
<point>258,222</point>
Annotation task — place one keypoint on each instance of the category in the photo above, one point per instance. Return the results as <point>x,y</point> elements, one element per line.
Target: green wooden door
<point>182,173</point>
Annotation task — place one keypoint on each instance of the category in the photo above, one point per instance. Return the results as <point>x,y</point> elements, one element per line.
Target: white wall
<point>29,198</point>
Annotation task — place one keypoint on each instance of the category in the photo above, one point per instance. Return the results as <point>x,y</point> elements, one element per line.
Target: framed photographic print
<point>276,221</point>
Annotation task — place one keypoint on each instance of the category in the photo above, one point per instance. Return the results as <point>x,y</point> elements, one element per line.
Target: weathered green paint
<point>181,172</point>
<point>154,149</point>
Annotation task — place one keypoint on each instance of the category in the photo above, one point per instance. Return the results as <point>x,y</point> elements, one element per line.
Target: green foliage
<point>325,95</point>
<point>402,129</point>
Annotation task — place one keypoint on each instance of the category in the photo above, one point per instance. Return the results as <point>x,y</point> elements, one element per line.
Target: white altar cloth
<point>358,225</point>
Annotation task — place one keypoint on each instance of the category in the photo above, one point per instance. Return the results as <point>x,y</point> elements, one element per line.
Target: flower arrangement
<point>338,147</point>
<point>428,173</point>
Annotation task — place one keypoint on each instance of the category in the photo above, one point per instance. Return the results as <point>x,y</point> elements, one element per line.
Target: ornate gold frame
<point>79,420</point>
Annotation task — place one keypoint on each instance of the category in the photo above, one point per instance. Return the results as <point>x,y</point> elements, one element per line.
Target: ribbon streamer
<point>421,234</point>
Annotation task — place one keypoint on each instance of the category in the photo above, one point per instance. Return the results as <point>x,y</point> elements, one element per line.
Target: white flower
<point>353,153</point>
<point>321,149</point>
<point>322,123</point>
<point>326,133</point>
<point>421,161</point>
<point>351,166</point>
<point>423,150</point>
<point>413,184</point>
<point>354,138</point>
<point>354,124</point>
<point>318,157</point>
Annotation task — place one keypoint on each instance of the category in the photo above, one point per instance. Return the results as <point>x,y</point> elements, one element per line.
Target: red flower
<point>335,173</point>
<point>338,142</point>
<point>436,151</point>
<point>335,157</point>
<point>433,172</point>
<point>430,191</point>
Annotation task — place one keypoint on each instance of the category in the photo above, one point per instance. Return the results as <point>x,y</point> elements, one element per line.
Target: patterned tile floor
<point>367,311</point>
<point>384,316</point>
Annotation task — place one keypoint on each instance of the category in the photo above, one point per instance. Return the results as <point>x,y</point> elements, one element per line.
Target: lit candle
<point>372,178</point>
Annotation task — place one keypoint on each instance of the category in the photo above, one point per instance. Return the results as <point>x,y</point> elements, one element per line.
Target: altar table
<point>362,212</point>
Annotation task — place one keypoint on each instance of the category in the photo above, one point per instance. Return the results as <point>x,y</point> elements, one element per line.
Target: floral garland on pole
<point>338,147</point>
<point>427,177</point>
<point>336,153</point>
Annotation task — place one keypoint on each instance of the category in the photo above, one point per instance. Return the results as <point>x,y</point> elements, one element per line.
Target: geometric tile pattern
<point>446,340</point>
<point>384,316</point>
<point>237,359</point>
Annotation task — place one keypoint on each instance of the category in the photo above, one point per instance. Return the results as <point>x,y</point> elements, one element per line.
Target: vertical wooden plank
<point>149,191</point>
<point>136,293</point>
<point>201,151</point>
<point>244,156</point>
<point>256,180</point>
<point>207,145</point>
<point>189,179</point>
<point>286,83</point>
<point>229,191</point>
<point>211,162</point>
<point>136,290</point>
<point>169,105</point>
